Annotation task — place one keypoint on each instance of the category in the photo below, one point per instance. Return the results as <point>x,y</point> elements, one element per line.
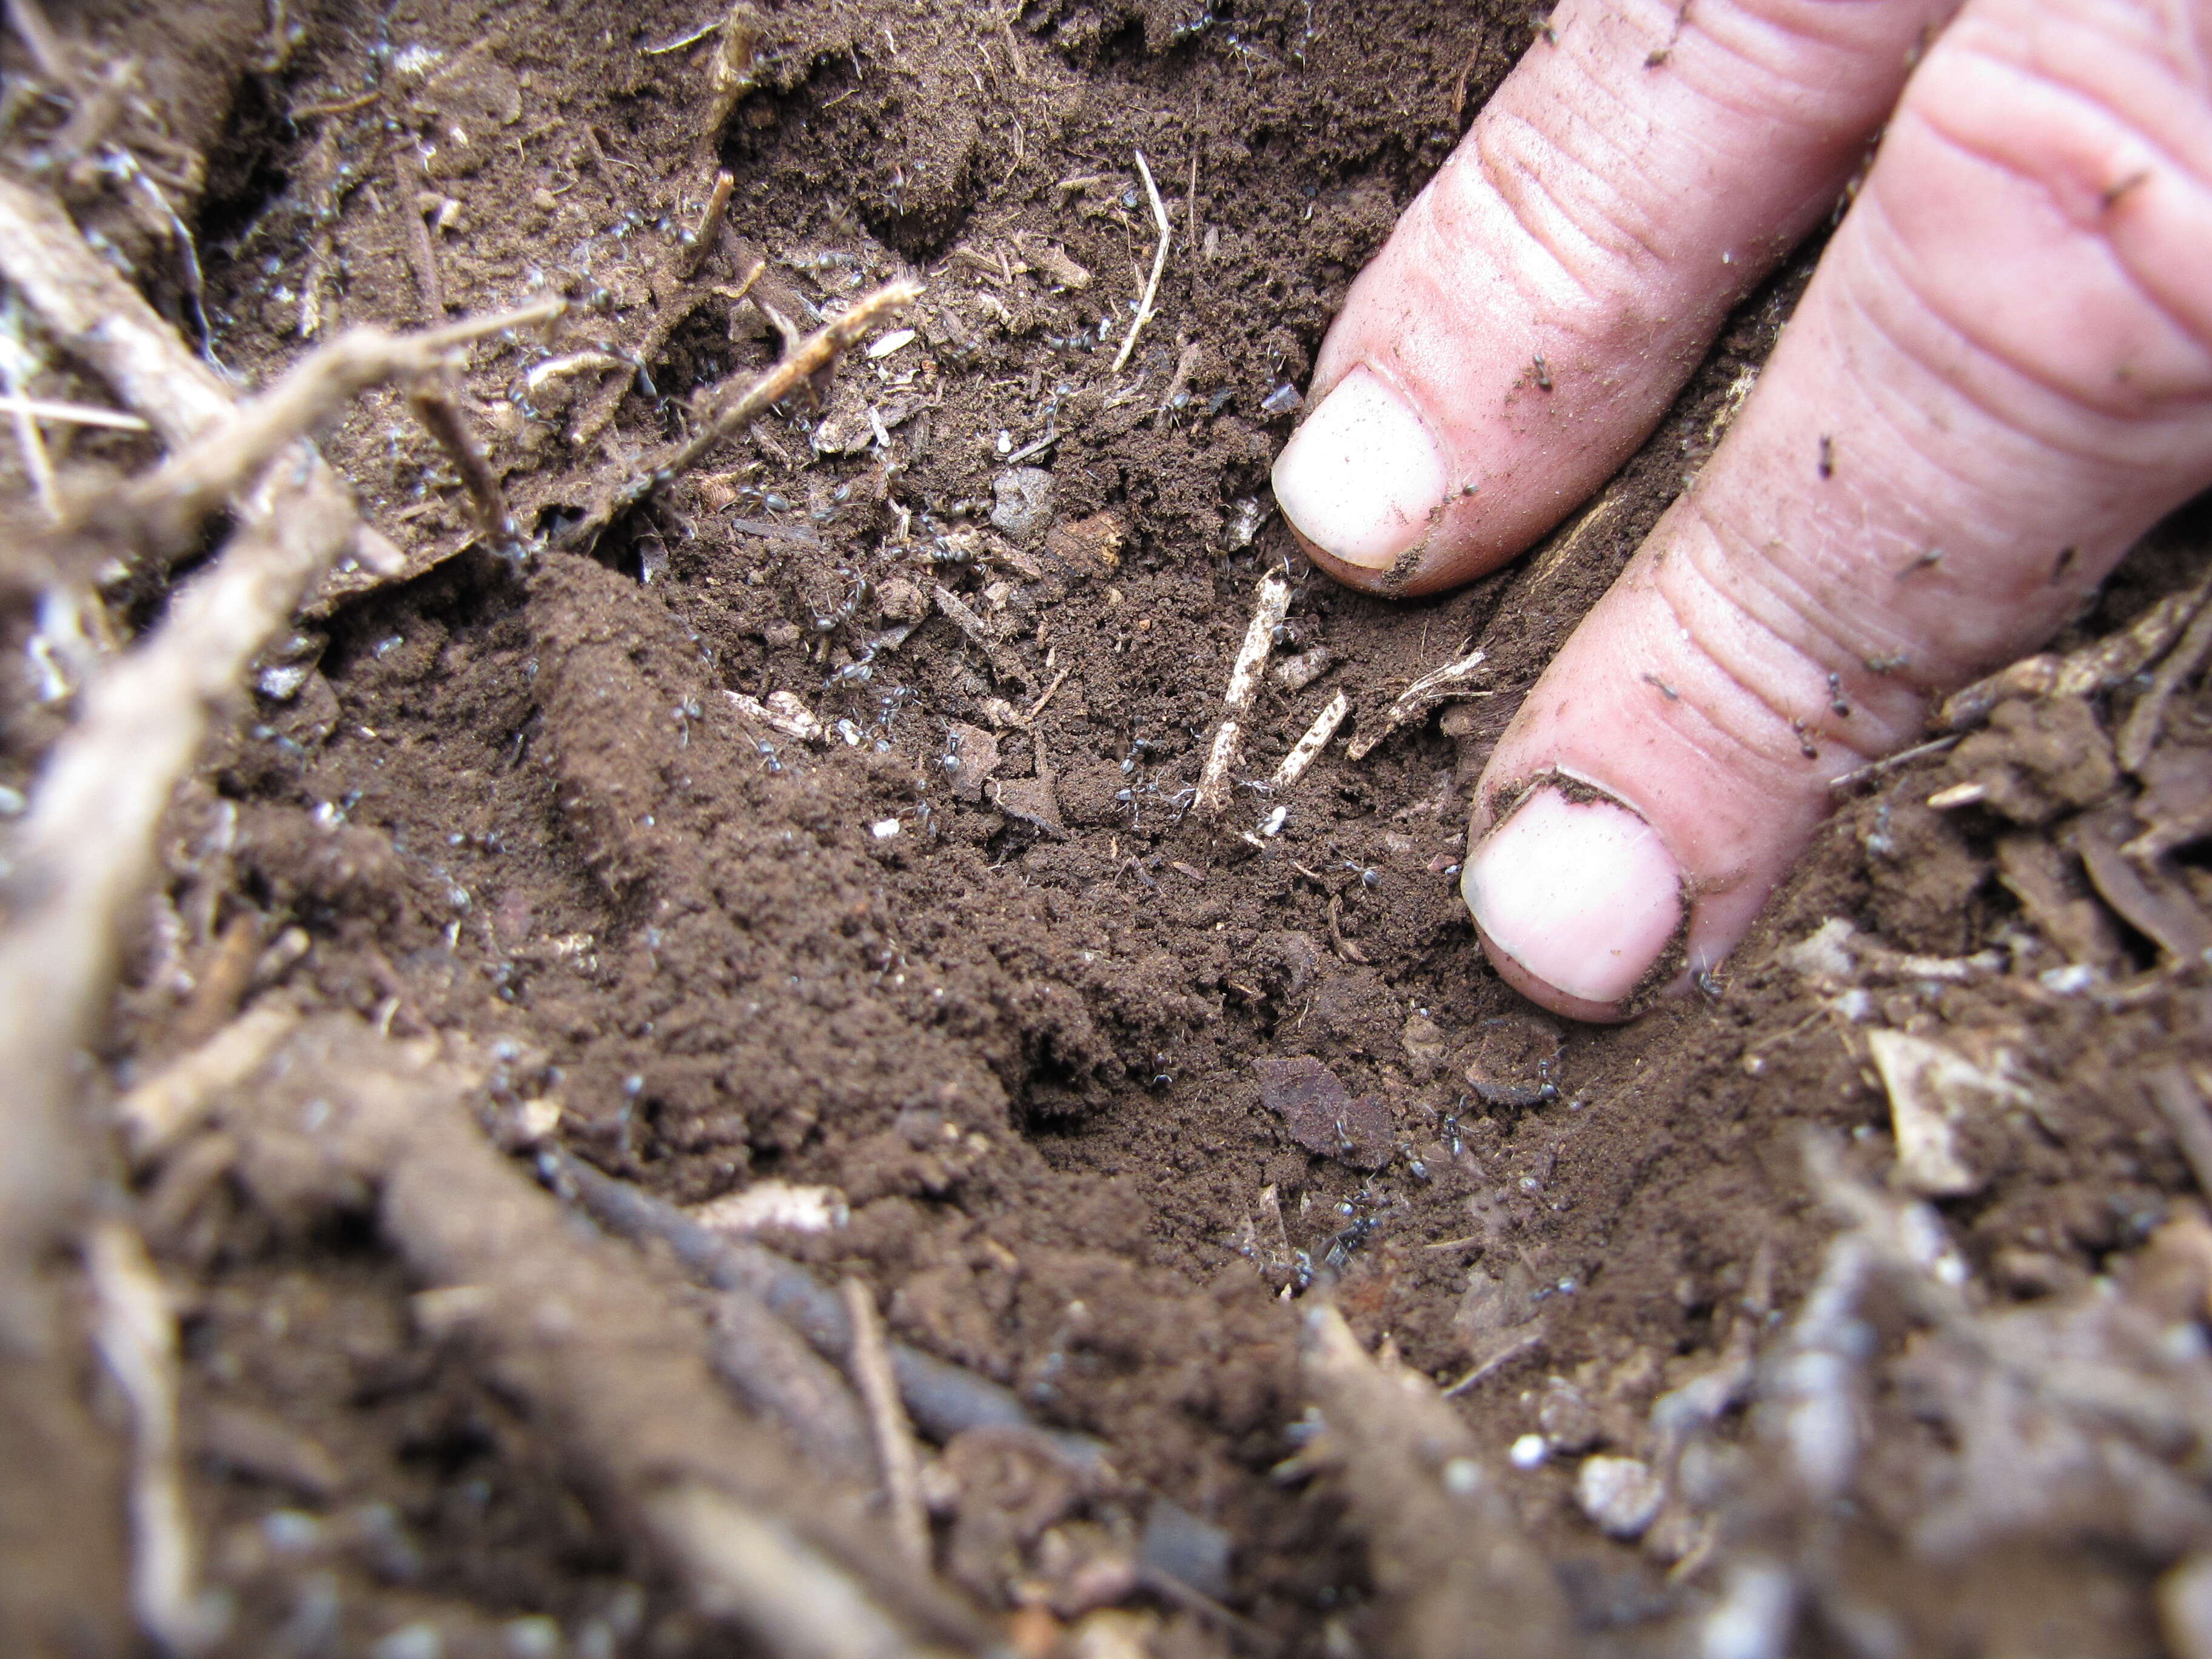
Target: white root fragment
<point>576,363</point>
<point>1969,793</point>
<point>1160,263</point>
<point>774,1204</point>
<point>1438,685</point>
<point>870,1364</point>
<point>1273,605</point>
<point>167,1106</point>
<point>783,712</point>
<point>45,408</point>
<point>1308,748</point>
<point>135,1334</point>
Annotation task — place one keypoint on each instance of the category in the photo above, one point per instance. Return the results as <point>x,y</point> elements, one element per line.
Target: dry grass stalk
<point>1160,263</point>
<point>38,465</point>
<point>45,408</point>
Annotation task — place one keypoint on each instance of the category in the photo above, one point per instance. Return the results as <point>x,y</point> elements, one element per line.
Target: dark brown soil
<point>1026,1029</point>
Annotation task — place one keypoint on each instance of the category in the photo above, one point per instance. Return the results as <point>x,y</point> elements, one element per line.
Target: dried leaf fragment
<point>1322,1115</point>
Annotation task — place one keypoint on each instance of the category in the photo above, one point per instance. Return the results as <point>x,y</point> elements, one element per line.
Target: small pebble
<point>884,829</point>
<point>1528,1452</point>
<point>416,1641</point>
<point>1463,1477</point>
<point>1621,1494</point>
<point>1022,501</point>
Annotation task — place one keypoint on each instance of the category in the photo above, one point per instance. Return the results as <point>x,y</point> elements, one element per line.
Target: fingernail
<point>1362,477</point>
<point>1581,894</point>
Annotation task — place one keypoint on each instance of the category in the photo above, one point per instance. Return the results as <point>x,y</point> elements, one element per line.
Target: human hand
<point>1999,377</point>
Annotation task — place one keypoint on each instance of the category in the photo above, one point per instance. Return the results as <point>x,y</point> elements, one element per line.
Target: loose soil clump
<point>697,1030</point>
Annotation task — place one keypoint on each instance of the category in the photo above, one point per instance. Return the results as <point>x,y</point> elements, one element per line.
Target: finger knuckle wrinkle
<point>1761,684</point>
<point>1585,228</point>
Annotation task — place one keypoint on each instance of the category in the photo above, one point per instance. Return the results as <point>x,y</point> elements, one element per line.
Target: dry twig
<point>433,407</point>
<point>164,506</point>
<point>944,1398</point>
<point>1455,1572</point>
<point>774,1372</point>
<point>676,294</point>
<point>870,1361</point>
<point>85,852</point>
<point>1888,764</point>
<point>804,368</point>
<point>580,1336</point>
<point>169,1105</point>
<point>2182,1104</point>
<point>693,254</point>
<point>107,324</point>
<point>1438,685</point>
<point>136,1335</point>
<point>102,321</point>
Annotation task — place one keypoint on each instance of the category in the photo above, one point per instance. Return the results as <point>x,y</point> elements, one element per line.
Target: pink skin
<point>2005,354</point>
<point>1585,220</point>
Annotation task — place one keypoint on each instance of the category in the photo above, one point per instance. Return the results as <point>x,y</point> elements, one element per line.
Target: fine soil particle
<point>1104,1088</point>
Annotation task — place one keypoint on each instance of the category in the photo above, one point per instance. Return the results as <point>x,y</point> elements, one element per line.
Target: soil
<point>1034,1020</point>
